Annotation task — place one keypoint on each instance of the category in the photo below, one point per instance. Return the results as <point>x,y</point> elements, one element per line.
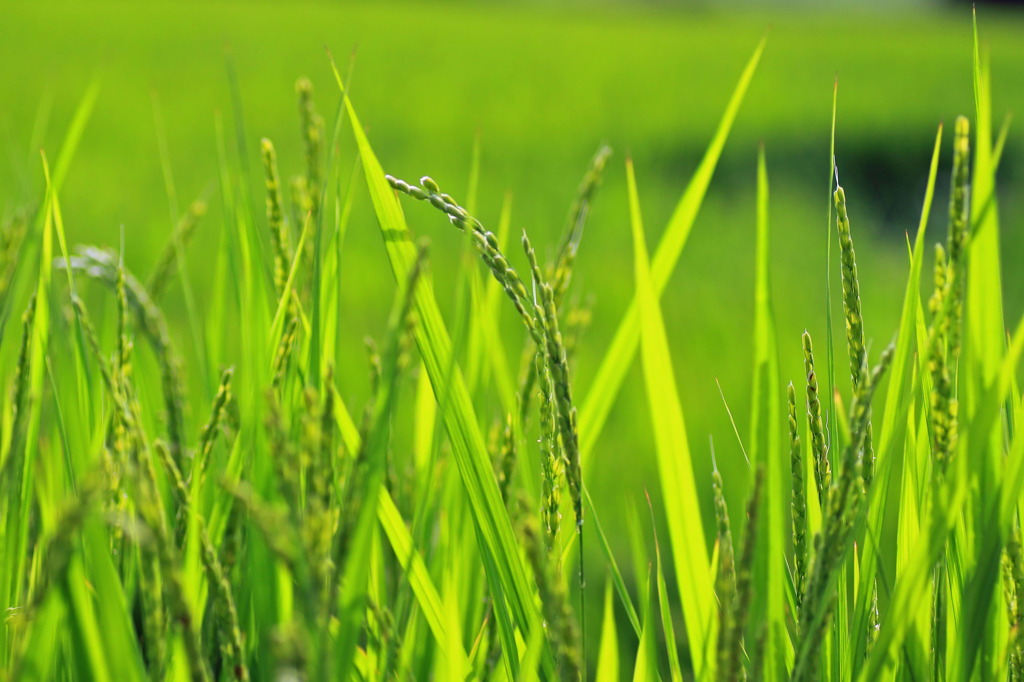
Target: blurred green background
<point>543,87</point>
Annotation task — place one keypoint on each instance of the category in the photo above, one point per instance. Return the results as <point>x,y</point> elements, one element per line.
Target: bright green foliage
<point>202,504</point>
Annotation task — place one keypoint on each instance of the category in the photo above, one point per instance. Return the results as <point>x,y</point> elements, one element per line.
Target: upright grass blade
<point>316,350</point>
<point>505,571</point>
<point>945,509</point>
<point>608,380</point>
<point>985,340</point>
<point>608,651</point>
<point>645,668</point>
<point>897,402</point>
<point>766,449</point>
<point>993,512</point>
<point>81,363</point>
<point>354,591</point>
<point>983,630</point>
<point>23,449</point>
<point>686,530</point>
<point>412,562</point>
<point>616,575</point>
<point>195,326</point>
<point>21,462</point>
<point>666,608</point>
<point>419,577</point>
<point>74,135</point>
<point>832,415</point>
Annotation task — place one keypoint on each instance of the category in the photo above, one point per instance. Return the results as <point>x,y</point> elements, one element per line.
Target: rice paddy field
<point>510,341</point>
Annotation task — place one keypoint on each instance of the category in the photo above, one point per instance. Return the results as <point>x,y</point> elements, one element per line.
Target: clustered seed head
<point>560,273</point>
<point>938,295</point>
<point>12,236</point>
<point>312,126</point>
<point>958,201</point>
<point>283,353</point>
<point>507,460</point>
<point>162,590</point>
<point>844,501</point>
<point>854,316</point>
<point>21,375</point>
<point>103,265</point>
<point>745,580</point>
<point>225,611</point>
<point>209,432</point>
<point>799,505</point>
<point>725,581</point>
<point>946,306</point>
<point>561,623</point>
<point>819,451</point>
<point>553,350</point>
<point>1014,585</point>
<point>275,216</point>
<point>483,240</point>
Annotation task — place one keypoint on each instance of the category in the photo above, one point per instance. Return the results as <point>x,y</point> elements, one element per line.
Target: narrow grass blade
<point>426,594</point>
<point>608,651</point>
<point>494,531</point>
<point>598,402</point>
<point>897,398</point>
<point>645,669</point>
<point>765,447</point>
<point>686,530</point>
<point>74,135</point>
<point>666,608</point>
<point>620,584</point>
<point>990,511</point>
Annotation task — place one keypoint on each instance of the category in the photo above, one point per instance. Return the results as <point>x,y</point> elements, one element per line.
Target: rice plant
<point>202,504</point>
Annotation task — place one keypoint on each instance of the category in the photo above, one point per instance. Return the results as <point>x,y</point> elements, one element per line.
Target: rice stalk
<point>12,236</point>
<point>283,352</point>
<point>563,632</point>
<point>958,232</point>
<point>854,319</point>
<point>312,129</point>
<point>225,611</point>
<point>844,503</point>
<point>19,404</point>
<point>799,505</point>
<point>275,216</point>
<point>744,583</point>
<point>139,471</point>
<point>57,550</point>
<point>168,259</point>
<point>209,432</point>
<point>819,451</point>
<point>483,240</point>
<point>161,577</point>
<point>943,399</point>
<point>725,580</point>
<point>102,265</point>
<point>561,389</point>
<point>560,273</point>
<point>1013,581</point>
<point>507,460</point>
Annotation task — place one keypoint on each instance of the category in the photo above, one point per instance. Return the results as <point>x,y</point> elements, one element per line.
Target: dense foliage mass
<point>274,532</point>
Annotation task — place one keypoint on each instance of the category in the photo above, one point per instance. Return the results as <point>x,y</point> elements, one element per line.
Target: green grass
<point>206,478</point>
<point>637,80</point>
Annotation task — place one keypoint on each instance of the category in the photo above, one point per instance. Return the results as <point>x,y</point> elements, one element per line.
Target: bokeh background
<point>542,85</point>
